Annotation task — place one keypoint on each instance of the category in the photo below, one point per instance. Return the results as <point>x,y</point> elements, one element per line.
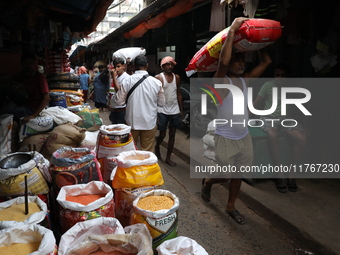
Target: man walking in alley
<point>171,113</point>
<point>142,95</point>
<point>233,143</point>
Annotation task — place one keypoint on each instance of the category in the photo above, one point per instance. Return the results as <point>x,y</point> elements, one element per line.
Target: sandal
<point>291,184</point>
<point>236,216</point>
<point>281,185</point>
<point>205,193</point>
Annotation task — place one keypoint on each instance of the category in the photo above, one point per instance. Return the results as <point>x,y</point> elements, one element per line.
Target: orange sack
<point>253,34</point>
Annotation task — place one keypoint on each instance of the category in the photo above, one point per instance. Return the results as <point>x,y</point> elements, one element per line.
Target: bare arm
<point>159,77</point>
<point>160,97</point>
<point>114,80</point>
<point>179,95</point>
<point>226,53</point>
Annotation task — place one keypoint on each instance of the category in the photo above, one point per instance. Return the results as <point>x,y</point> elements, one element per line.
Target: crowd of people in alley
<point>152,107</point>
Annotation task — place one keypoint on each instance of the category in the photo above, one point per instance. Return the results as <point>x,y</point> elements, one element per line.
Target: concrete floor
<point>305,222</point>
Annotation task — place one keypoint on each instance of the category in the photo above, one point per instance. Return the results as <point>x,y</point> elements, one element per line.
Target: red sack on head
<point>253,34</point>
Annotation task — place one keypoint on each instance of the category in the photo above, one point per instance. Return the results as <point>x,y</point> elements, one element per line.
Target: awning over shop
<point>78,53</point>
<point>52,24</point>
<point>153,16</point>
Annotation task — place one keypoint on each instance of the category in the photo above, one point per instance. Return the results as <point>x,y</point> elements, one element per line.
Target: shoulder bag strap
<point>135,86</point>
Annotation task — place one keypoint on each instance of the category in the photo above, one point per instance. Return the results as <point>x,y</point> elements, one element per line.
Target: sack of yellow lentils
<point>13,211</point>
<point>157,209</point>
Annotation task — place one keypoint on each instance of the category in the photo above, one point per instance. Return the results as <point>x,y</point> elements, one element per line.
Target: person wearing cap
<point>170,115</point>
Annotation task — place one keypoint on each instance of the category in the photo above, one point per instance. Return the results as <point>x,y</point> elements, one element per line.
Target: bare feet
<point>157,152</point>
<point>170,163</point>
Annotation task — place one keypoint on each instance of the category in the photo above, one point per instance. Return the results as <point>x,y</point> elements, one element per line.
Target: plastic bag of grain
<point>83,202</point>
<point>182,246</point>
<point>90,140</point>
<point>15,166</point>
<point>137,169</point>
<point>124,198</point>
<point>71,166</point>
<point>114,139</point>
<point>26,239</point>
<point>157,209</point>
<point>105,234</point>
<point>57,99</point>
<point>13,211</point>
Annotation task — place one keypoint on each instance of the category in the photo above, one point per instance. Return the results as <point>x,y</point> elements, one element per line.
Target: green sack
<point>90,119</point>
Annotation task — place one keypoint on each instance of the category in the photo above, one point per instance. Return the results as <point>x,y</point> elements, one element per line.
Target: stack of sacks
<point>35,133</point>
<point>209,142</point>
<point>66,135</point>
<point>67,81</point>
<point>83,202</point>
<point>73,97</point>
<point>112,140</point>
<point>137,172</point>
<point>105,236</point>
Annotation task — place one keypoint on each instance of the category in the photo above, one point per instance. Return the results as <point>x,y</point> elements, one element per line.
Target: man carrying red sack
<point>233,143</point>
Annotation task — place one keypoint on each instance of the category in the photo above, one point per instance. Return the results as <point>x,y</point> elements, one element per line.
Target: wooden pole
<point>26,196</point>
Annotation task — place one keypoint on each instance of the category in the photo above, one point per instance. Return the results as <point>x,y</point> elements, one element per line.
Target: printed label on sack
<point>162,224</point>
<point>245,45</point>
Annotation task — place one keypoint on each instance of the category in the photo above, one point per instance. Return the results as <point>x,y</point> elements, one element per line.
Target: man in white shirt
<point>170,115</point>
<point>118,75</point>
<point>141,106</point>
